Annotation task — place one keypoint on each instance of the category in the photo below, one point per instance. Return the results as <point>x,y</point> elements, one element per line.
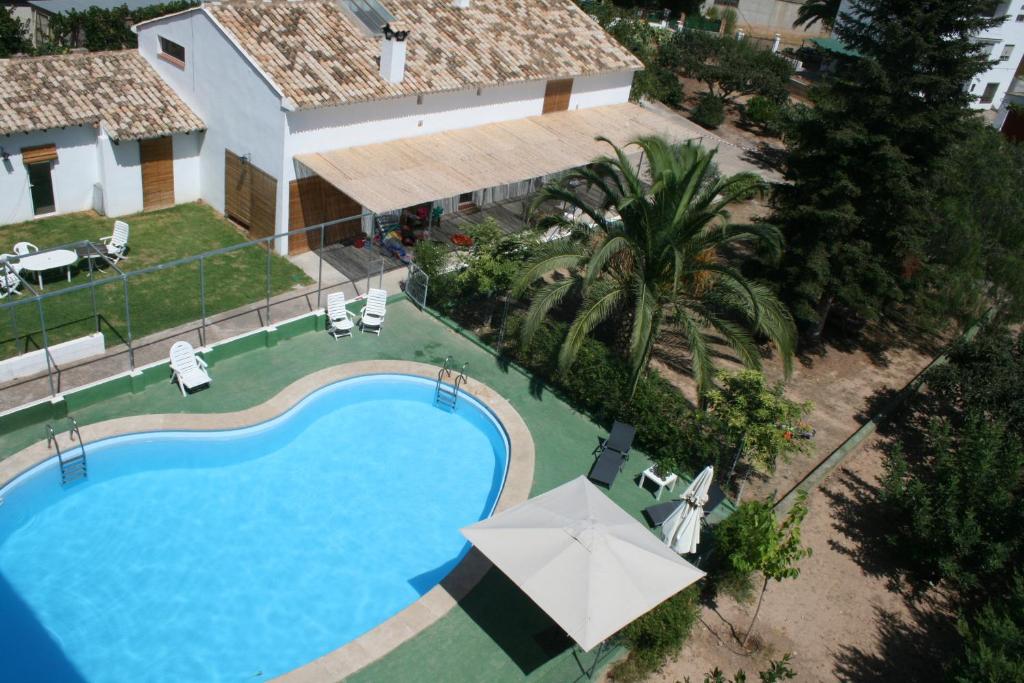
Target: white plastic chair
<point>25,248</point>
<point>372,315</point>
<point>187,369</point>
<point>339,320</point>
<point>117,244</point>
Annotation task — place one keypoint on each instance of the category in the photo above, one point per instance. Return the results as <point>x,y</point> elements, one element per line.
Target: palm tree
<point>661,263</point>
<point>813,11</point>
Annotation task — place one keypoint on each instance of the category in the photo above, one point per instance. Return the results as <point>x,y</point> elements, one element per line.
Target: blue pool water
<point>240,555</point>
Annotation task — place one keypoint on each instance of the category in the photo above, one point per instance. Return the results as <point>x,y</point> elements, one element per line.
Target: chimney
<point>460,4</point>
<point>392,54</point>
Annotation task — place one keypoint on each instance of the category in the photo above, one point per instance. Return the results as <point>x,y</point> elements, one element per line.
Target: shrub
<point>728,21</point>
<point>763,112</point>
<point>668,429</point>
<point>657,635</point>
<point>710,111</point>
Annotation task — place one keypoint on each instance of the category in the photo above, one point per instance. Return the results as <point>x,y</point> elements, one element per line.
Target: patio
<point>505,634</point>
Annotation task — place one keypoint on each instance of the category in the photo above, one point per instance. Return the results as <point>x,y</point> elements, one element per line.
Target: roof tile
<point>119,90</point>
<point>320,56</point>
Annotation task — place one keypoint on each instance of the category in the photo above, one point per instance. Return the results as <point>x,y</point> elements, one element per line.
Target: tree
<point>754,540</point>
<point>727,66</point>
<point>756,420</point>
<point>778,670</point>
<point>660,264</point>
<point>812,12</point>
<point>860,165</point>
<point>13,39</point>
<point>97,28</point>
<point>993,640</point>
<point>978,244</point>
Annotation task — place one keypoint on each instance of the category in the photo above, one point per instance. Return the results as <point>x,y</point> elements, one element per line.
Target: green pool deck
<point>492,635</point>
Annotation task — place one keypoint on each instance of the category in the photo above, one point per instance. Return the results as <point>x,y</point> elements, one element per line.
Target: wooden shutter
<point>263,191</point>
<point>157,159</point>
<point>237,189</point>
<point>250,196</point>
<point>312,201</point>
<point>38,154</point>
<point>556,95</point>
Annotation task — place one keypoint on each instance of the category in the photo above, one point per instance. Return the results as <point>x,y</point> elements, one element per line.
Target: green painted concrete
<point>490,635</point>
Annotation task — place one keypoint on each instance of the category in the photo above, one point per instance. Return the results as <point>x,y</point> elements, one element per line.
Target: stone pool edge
<point>418,616</point>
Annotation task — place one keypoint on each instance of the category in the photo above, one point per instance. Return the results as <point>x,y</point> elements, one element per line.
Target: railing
<point>73,468</point>
<point>443,395</point>
<point>107,302</point>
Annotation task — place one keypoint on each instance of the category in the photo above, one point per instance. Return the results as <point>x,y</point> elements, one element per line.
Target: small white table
<point>668,482</point>
<point>49,260</point>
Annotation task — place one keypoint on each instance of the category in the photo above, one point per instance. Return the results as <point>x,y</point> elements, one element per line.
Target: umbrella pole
<point>589,674</point>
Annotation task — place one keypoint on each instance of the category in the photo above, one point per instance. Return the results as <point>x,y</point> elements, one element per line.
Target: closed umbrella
<point>697,491</point>
<point>582,559</point>
<point>681,531</point>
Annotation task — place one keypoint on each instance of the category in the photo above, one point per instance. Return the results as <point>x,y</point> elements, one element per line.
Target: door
<point>157,159</point>
<point>556,95</point>
<point>42,188</point>
<point>237,189</point>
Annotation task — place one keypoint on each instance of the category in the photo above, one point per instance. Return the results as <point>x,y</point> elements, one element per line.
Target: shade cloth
<point>584,560</point>
<point>393,175</point>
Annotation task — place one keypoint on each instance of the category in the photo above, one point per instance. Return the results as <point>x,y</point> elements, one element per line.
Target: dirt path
<point>840,618</point>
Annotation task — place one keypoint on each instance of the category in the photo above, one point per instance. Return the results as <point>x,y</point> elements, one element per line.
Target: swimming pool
<point>240,555</point>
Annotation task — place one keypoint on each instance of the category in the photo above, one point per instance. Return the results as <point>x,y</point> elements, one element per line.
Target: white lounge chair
<point>9,280</point>
<point>117,244</point>
<point>372,316</point>
<point>25,248</point>
<point>339,320</point>
<point>187,369</point>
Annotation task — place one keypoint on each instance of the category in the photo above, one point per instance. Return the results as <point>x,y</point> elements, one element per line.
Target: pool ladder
<point>447,395</point>
<point>72,467</point>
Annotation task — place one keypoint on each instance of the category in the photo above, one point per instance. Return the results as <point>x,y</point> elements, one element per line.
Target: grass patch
<point>159,300</point>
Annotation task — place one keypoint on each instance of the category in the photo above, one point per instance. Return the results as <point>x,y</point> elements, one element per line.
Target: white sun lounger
<point>339,320</point>
<point>372,316</point>
<point>188,369</point>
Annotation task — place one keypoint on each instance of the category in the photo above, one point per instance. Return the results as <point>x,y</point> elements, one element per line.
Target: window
<point>1007,51</point>
<point>1020,17</point>
<point>990,93</point>
<point>172,52</point>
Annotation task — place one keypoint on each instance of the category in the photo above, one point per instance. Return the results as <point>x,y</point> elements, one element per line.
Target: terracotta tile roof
<point>318,56</point>
<point>116,89</point>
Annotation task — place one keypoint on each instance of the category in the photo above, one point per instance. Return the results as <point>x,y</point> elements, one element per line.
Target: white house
<point>325,109</point>
<point>1005,45</point>
<point>95,130</point>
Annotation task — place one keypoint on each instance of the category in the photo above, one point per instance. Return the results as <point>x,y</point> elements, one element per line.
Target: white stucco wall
<point>120,176</point>
<point>187,167</point>
<point>74,172</point>
<point>242,111</point>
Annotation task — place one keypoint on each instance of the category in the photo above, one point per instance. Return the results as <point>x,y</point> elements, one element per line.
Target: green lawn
<point>159,300</point>
<point>496,633</point>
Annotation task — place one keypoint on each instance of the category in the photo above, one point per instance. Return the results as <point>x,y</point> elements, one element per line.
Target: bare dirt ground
<point>842,618</point>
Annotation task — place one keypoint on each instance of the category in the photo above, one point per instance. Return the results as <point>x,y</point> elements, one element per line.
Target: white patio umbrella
<point>697,491</point>
<point>583,559</point>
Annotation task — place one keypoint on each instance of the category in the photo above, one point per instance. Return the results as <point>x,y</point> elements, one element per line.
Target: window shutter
<point>38,154</point>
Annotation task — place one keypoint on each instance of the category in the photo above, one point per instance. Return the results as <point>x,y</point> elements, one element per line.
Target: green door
<point>42,187</point>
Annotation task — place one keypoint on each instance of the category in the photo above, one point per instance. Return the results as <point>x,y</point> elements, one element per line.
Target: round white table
<point>49,260</point>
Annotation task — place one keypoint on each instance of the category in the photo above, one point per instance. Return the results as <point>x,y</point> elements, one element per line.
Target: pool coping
<point>418,616</point>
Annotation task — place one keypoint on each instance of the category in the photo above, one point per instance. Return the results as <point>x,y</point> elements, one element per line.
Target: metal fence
<point>204,297</point>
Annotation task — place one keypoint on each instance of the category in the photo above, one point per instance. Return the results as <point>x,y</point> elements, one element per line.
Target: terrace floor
<point>496,633</point>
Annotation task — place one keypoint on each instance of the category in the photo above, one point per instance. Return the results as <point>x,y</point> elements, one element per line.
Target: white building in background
<point>1005,45</point>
